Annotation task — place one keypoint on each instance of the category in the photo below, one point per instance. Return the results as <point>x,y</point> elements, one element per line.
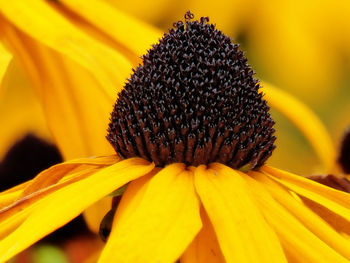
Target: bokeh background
<point>302,47</point>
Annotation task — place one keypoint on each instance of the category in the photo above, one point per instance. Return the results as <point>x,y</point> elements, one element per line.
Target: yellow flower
<point>201,193</point>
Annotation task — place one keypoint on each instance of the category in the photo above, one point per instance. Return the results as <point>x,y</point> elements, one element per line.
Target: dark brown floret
<point>195,101</point>
<point>344,156</point>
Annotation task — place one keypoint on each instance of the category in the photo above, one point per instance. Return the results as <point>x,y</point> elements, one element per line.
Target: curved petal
<point>20,111</point>
<point>299,243</point>
<point>11,223</point>
<point>306,216</point>
<point>205,247</point>
<point>55,173</point>
<point>69,202</point>
<point>97,160</point>
<point>8,198</point>
<point>77,78</point>
<point>126,34</point>
<point>70,95</point>
<point>30,197</point>
<point>337,222</point>
<point>22,199</point>
<point>15,212</point>
<point>154,12</point>
<point>5,58</point>
<point>334,200</point>
<point>37,18</point>
<point>17,188</point>
<point>310,125</point>
<point>94,214</point>
<point>240,227</point>
<point>156,220</point>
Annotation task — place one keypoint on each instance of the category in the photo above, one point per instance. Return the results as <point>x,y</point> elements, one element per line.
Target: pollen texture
<point>194,100</point>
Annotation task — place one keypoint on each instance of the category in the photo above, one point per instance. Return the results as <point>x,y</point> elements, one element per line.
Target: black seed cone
<point>195,101</point>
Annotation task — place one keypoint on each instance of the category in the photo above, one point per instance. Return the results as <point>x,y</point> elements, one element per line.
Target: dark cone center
<point>194,100</point>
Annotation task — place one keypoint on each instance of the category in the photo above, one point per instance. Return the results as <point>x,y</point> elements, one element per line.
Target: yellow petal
<point>5,58</point>
<point>48,178</point>
<point>163,221</point>
<point>133,196</point>
<point>309,124</point>
<point>16,188</point>
<point>27,202</point>
<point>133,38</point>
<point>20,112</point>
<point>66,203</point>
<point>14,213</point>
<point>77,78</point>
<point>11,223</point>
<point>205,247</point>
<point>75,99</point>
<point>94,214</point>
<point>18,49</point>
<point>66,173</point>
<point>37,18</point>
<point>153,12</point>
<point>300,244</point>
<point>309,219</point>
<point>6,199</point>
<point>339,223</point>
<point>97,160</point>
<point>239,225</point>
<point>11,195</point>
<point>334,200</point>
<point>55,173</point>
<point>42,185</point>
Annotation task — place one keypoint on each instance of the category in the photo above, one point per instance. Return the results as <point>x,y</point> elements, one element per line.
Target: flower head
<point>194,100</point>
<point>193,110</point>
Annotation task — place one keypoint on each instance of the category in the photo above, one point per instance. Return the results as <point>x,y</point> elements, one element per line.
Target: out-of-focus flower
<point>209,198</point>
